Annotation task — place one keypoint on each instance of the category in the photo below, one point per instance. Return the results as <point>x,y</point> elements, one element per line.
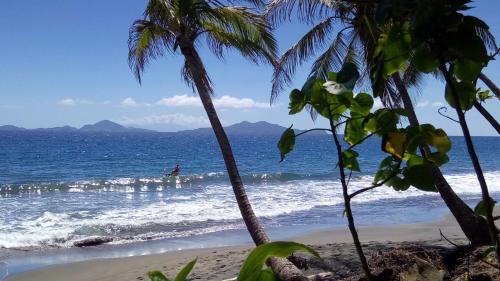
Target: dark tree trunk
<point>487,116</point>
<point>493,231</point>
<point>474,227</point>
<point>490,84</point>
<point>282,267</point>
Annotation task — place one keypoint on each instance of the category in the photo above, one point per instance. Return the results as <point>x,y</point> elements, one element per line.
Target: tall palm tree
<point>179,26</point>
<point>355,41</point>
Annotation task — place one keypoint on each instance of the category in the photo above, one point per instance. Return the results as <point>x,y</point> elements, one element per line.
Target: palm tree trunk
<point>493,231</point>
<point>490,84</point>
<point>487,116</point>
<point>282,267</point>
<point>474,227</point>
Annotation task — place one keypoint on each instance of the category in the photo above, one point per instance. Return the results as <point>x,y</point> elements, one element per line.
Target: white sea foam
<point>211,203</point>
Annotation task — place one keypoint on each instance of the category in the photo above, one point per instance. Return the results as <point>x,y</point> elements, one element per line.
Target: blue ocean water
<point>58,188</point>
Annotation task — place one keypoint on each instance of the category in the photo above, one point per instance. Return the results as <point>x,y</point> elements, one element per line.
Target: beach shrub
<point>334,100</point>
<point>440,38</point>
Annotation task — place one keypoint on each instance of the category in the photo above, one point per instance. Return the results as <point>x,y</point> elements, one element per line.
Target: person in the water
<point>175,172</point>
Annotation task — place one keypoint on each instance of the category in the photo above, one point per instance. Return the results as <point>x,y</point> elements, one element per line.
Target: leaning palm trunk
<point>474,227</point>
<point>490,84</point>
<point>282,267</point>
<point>494,123</point>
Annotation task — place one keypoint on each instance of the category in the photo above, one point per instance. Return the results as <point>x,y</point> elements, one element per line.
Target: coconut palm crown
<point>170,25</point>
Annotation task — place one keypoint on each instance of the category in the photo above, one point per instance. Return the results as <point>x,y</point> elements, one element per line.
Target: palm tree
<point>355,42</point>
<point>178,26</point>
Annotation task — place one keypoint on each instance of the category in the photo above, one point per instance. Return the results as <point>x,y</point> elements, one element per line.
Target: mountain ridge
<point>106,126</point>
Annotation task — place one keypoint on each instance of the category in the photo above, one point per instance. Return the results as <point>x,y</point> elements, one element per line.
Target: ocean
<point>59,188</point>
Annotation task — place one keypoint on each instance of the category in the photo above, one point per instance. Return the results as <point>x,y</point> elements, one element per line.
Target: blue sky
<point>64,62</point>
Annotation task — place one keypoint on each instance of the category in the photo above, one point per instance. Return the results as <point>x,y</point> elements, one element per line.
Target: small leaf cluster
<point>181,276</point>
<point>334,99</point>
<point>431,34</point>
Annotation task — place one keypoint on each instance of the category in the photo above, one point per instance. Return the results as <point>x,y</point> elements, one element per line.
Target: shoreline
<point>218,263</point>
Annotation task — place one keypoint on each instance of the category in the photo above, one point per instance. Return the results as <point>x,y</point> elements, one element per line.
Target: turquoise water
<point>58,188</point>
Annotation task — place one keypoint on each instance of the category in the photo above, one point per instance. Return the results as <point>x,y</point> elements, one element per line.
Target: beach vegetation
<point>356,31</point>
<point>334,100</point>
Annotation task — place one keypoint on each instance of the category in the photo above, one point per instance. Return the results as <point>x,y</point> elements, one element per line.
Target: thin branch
<point>310,130</point>
<point>360,141</point>
<point>447,240</point>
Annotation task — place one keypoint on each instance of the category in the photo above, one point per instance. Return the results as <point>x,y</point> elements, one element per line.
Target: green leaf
<point>185,271</point>
<point>484,95</point>
<point>394,143</point>
<point>386,168</point>
<point>481,209</point>
<point>350,161</point>
<point>466,69</point>
<point>424,60</point>
<point>419,175</point>
<point>438,139</point>
<point>398,183</point>
<point>354,131</point>
<point>438,158</point>
<point>466,95</point>
<point>157,276</point>
<point>297,101</point>
<point>287,142</point>
<point>386,121</point>
<point>252,267</point>
<point>362,103</point>
<point>268,275</point>
<point>395,48</point>
<point>348,75</point>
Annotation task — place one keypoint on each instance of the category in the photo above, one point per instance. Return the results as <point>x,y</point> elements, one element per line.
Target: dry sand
<point>221,263</point>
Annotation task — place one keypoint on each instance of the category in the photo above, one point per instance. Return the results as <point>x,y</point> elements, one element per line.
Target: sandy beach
<point>222,263</point>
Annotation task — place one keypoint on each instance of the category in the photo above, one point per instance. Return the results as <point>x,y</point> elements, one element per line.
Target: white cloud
<point>180,100</point>
<point>438,104</point>
<point>222,102</point>
<point>73,102</point>
<point>424,103</point>
<point>178,119</point>
<point>129,102</point>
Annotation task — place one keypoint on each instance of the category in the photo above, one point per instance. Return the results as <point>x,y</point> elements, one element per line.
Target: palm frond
<point>240,29</point>
<point>147,41</point>
<point>306,10</point>
<point>298,53</point>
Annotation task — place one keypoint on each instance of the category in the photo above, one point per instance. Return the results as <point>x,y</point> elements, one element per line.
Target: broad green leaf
<point>362,103</point>
<point>252,267</point>
<point>354,131</point>
<point>466,95</point>
<point>386,121</point>
<point>348,75</point>
<point>424,60</point>
<point>386,168</point>
<point>438,158</point>
<point>481,209</point>
<point>185,271</point>
<point>420,176</point>
<point>286,143</point>
<point>268,275</point>
<point>395,48</point>
<point>157,276</point>
<point>466,69</point>
<point>398,183</point>
<point>438,139</point>
<point>394,143</point>
<point>350,161</point>
<point>297,101</point>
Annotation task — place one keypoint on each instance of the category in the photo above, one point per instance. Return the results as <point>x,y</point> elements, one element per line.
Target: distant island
<point>106,126</point>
